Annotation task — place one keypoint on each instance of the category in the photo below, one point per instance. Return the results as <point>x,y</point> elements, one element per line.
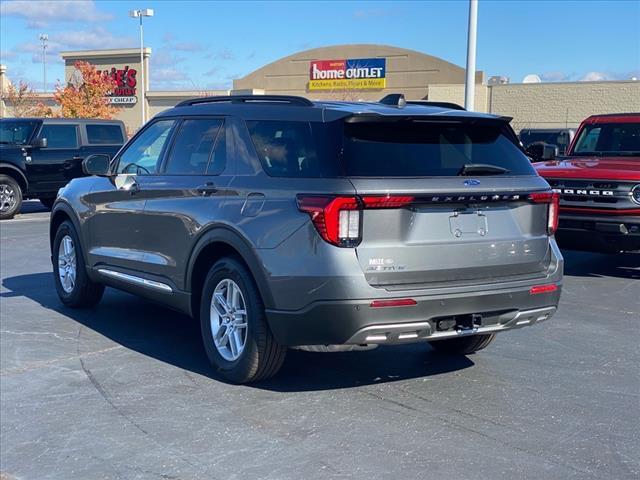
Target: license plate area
<point>468,223</point>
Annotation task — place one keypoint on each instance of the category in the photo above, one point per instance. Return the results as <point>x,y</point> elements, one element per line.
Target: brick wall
<point>547,105</point>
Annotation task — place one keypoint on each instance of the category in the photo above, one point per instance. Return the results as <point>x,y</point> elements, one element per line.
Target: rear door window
<point>98,134</point>
<point>60,136</point>
<point>415,148</point>
<point>193,147</point>
<point>292,149</point>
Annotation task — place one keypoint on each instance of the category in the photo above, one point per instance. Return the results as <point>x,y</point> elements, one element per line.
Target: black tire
<point>463,345</point>
<point>10,197</point>
<point>85,293</point>
<point>262,356</point>
<point>47,202</point>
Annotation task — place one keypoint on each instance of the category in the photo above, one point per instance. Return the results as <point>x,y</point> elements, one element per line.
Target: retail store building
<point>362,73</point>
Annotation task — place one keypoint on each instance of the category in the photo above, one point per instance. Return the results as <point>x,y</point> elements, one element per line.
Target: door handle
<point>207,189</point>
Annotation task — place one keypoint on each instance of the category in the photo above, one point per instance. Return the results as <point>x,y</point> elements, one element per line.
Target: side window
<point>193,147</point>
<point>141,156</point>
<point>286,149</point>
<point>218,160</point>
<point>60,136</point>
<point>100,134</point>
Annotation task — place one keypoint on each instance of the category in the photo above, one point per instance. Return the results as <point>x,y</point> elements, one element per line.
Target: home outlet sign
<point>350,74</point>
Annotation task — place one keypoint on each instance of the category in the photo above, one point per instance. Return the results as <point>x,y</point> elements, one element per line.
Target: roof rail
<point>398,100</point>
<point>288,99</point>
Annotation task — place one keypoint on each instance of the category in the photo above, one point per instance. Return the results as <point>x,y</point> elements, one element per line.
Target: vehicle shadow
<point>173,338</point>
<point>587,264</point>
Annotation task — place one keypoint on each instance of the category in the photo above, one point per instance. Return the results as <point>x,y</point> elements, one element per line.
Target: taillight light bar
<point>553,200</point>
<point>338,219</point>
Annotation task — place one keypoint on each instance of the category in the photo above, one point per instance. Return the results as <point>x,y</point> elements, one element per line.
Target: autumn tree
<point>85,96</point>
<point>23,101</point>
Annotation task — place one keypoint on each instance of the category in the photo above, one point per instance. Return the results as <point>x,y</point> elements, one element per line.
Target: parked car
<point>40,155</point>
<point>599,184</point>
<point>535,139</point>
<point>283,222</point>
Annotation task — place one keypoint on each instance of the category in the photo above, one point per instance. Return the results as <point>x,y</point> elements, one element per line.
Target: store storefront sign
<point>351,74</point>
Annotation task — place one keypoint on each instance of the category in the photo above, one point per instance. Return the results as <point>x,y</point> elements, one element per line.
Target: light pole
<point>145,12</point>
<point>44,38</point>
<point>470,87</point>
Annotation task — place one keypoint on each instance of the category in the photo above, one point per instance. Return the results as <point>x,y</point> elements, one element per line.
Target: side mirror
<point>98,164</point>
<point>39,143</point>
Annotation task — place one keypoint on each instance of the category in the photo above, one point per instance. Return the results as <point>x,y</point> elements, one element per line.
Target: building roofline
<point>110,53</point>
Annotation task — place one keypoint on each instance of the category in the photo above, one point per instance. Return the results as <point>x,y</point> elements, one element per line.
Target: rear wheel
<point>10,197</point>
<point>463,345</point>
<point>73,285</point>
<point>235,332</point>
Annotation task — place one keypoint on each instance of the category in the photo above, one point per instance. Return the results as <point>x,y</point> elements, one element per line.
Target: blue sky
<point>204,45</point>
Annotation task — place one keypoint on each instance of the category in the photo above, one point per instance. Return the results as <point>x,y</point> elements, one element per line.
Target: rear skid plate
<point>425,331</point>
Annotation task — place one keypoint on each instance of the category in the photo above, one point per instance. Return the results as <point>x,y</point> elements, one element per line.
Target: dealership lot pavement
<point>124,391</point>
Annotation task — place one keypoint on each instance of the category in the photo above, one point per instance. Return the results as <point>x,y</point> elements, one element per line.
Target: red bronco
<point>599,185</point>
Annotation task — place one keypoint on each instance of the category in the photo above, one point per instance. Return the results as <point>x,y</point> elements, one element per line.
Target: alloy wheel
<point>228,315</point>
<point>7,197</point>
<point>67,264</point>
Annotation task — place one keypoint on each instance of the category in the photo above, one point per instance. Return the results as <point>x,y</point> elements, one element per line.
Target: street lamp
<point>470,87</point>
<point>44,38</point>
<point>145,12</point>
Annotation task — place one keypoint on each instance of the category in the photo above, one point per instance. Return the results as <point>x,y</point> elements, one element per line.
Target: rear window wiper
<point>482,169</point>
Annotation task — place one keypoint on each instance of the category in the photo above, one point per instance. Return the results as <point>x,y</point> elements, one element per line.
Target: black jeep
<point>38,156</point>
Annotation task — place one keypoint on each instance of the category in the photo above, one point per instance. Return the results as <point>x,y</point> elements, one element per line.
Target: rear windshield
<point>382,149</point>
<point>614,139</point>
<point>427,149</point>
<point>559,138</point>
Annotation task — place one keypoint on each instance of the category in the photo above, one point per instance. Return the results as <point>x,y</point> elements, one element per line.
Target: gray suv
<point>281,222</point>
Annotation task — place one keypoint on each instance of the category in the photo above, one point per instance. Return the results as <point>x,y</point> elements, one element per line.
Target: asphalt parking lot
<point>124,391</point>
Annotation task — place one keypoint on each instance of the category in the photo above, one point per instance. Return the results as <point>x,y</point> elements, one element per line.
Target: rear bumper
<point>356,322</point>
<point>599,233</point>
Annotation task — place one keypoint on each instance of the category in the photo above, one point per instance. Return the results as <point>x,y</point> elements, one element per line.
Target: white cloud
<point>597,77</point>
<point>74,40</point>
<point>188,47</point>
<point>162,58</point>
<point>41,13</point>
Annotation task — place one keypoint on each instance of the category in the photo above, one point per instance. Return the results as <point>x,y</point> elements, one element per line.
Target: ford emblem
<point>471,183</point>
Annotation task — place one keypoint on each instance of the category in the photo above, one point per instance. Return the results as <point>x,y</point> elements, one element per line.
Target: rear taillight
<point>553,200</point>
<point>339,219</point>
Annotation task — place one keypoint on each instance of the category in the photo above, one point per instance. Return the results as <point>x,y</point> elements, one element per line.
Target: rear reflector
<point>536,289</point>
<point>400,302</point>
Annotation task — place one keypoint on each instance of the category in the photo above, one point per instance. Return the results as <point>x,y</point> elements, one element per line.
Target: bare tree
<point>23,102</point>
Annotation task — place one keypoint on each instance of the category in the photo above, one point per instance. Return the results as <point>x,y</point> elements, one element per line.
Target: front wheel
<point>10,197</point>
<point>73,285</point>
<point>463,345</point>
<point>235,332</point>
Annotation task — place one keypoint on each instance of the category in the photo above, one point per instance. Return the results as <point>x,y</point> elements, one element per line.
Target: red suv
<point>599,185</point>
